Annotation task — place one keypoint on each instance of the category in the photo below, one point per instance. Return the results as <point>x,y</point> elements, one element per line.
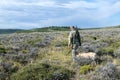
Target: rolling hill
<point>7,31</point>
<point>47,29</point>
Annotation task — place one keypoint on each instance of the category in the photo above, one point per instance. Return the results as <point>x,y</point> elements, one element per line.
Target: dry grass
<point>116,62</point>
<point>56,56</point>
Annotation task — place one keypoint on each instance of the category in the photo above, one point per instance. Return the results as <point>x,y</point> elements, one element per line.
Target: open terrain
<point>44,56</point>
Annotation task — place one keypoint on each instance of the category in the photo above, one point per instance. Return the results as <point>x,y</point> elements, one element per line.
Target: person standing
<point>74,41</point>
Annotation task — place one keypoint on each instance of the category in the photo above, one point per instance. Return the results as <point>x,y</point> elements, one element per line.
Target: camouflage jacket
<point>70,38</point>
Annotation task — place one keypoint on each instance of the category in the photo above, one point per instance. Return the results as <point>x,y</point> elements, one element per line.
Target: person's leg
<point>73,55</point>
<point>79,49</point>
<point>74,52</point>
<point>76,48</point>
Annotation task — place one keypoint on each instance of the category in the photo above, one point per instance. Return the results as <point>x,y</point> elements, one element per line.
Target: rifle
<point>80,50</point>
<point>69,52</point>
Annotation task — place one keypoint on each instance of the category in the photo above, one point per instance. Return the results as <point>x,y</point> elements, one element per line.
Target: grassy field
<point>44,56</point>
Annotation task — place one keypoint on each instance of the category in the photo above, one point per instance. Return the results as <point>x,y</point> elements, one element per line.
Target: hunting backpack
<point>76,37</point>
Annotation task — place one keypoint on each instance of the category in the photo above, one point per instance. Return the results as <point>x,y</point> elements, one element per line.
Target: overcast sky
<point>26,14</point>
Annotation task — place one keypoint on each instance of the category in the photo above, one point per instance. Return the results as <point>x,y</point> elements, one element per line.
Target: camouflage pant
<point>74,50</point>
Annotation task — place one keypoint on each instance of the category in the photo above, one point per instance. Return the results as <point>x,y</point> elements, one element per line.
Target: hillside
<point>47,29</point>
<point>7,31</point>
<point>44,56</point>
<point>117,26</point>
<point>44,29</point>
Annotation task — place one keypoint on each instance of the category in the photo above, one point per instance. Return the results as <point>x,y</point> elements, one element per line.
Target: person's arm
<point>69,39</point>
<point>79,38</point>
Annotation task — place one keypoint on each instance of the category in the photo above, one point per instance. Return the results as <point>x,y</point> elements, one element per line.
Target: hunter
<point>74,41</point>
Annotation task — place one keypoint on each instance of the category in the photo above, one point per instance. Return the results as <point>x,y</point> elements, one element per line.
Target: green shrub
<point>86,68</point>
<point>42,72</point>
<point>1,68</point>
<point>60,43</point>
<point>117,52</point>
<point>106,51</point>
<point>64,43</point>
<point>108,40</point>
<point>110,49</point>
<point>24,51</point>
<point>33,41</point>
<point>0,43</point>
<point>106,58</point>
<point>3,49</point>
<point>109,71</point>
<point>115,45</point>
